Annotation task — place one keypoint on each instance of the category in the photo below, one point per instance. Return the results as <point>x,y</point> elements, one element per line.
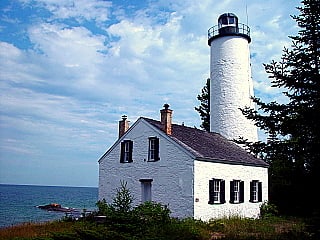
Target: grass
<point>227,228</point>
<point>35,230</point>
<point>272,228</point>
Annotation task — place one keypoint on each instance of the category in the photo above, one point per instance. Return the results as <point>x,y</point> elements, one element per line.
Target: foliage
<point>149,220</point>
<point>248,228</point>
<point>204,108</point>
<point>268,210</point>
<point>225,228</point>
<point>104,208</point>
<point>34,230</point>
<point>123,200</point>
<point>152,213</point>
<point>292,147</point>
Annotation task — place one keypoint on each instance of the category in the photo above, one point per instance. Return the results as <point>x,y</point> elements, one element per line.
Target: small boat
<point>55,207</point>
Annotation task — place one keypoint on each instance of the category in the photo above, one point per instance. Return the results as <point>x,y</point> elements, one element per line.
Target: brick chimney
<point>166,119</point>
<point>123,126</point>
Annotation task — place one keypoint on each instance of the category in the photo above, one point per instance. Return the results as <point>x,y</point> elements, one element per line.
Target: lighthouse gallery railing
<point>242,29</point>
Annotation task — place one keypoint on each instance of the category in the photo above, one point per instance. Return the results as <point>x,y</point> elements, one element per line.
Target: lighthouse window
<point>224,21</point>
<point>227,21</point>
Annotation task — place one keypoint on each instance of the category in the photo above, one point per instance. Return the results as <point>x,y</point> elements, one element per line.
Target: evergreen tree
<point>293,145</point>
<point>204,108</point>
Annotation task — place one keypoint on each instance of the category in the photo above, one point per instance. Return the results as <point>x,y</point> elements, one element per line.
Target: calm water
<point>18,202</point>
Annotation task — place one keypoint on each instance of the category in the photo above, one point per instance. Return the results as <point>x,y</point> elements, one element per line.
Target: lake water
<point>18,202</point>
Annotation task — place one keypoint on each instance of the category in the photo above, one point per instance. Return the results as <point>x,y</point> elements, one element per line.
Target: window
<point>126,151</point>
<point>226,21</point>
<point>145,190</point>
<point>255,191</point>
<point>153,154</point>
<point>236,191</point>
<point>216,191</point>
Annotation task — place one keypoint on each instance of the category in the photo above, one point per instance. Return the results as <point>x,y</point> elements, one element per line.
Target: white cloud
<point>90,10</point>
<point>64,45</point>
<point>92,61</point>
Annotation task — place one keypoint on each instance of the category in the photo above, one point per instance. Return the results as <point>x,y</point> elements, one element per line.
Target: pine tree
<point>204,108</point>
<point>293,146</point>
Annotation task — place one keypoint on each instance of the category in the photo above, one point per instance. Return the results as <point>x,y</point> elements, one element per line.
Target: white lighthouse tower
<point>231,85</point>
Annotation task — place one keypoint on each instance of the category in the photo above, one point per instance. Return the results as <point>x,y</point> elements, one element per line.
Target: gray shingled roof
<point>209,146</point>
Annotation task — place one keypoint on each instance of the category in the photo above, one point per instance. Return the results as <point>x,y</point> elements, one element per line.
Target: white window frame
<point>255,186</point>
<point>236,191</point>
<point>216,191</point>
<point>152,149</point>
<point>217,188</point>
<point>126,157</point>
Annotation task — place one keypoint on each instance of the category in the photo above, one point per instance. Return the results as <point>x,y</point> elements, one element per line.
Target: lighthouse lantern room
<point>228,23</point>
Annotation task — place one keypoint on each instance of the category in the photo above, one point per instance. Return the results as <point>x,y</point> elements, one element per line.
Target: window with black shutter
<point>153,153</point>
<point>216,191</point>
<point>126,151</point>
<point>236,191</point>
<point>255,191</point>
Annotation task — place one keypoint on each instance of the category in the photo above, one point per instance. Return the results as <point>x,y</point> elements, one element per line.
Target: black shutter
<point>156,151</point>
<point>259,191</point>
<point>231,191</point>
<point>211,191</point>
<point>251,192</point>
<point>122,152</point>
<point>222,192</point>
<point>149,149</point>
<point>241,194</point>
<point>130,150</point>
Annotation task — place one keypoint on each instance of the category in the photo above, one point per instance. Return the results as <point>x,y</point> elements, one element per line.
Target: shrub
<point>216,225</point>
<point>268,210</point>
<point>122,202</point>
<point>104,208</point>
<point>152,213</point>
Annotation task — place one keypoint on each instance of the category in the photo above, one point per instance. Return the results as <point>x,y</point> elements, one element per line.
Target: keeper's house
<point>196,173</point>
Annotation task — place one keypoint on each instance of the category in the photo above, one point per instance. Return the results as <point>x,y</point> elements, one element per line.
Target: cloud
<point>80,10</point>
<point>72,68</point>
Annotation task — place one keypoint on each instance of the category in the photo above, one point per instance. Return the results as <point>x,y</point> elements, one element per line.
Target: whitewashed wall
<point>204,171</point>
<point>173,183</point>
<point>231,87</point>
<point>172,175</point>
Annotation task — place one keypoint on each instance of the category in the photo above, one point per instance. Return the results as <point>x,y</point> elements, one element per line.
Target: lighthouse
<point>231,86</point>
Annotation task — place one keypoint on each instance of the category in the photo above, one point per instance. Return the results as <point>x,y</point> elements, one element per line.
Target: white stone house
<point>196,173</point>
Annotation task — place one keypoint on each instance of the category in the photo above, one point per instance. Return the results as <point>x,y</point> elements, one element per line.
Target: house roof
<point>209,146</point>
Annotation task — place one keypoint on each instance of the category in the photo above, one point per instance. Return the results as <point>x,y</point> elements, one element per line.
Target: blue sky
<point>69,69</point>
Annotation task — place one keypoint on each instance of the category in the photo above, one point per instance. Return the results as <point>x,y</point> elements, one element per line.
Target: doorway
<point>146,185</point>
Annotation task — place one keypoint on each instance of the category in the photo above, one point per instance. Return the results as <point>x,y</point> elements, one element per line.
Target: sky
<point>69,69</point>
